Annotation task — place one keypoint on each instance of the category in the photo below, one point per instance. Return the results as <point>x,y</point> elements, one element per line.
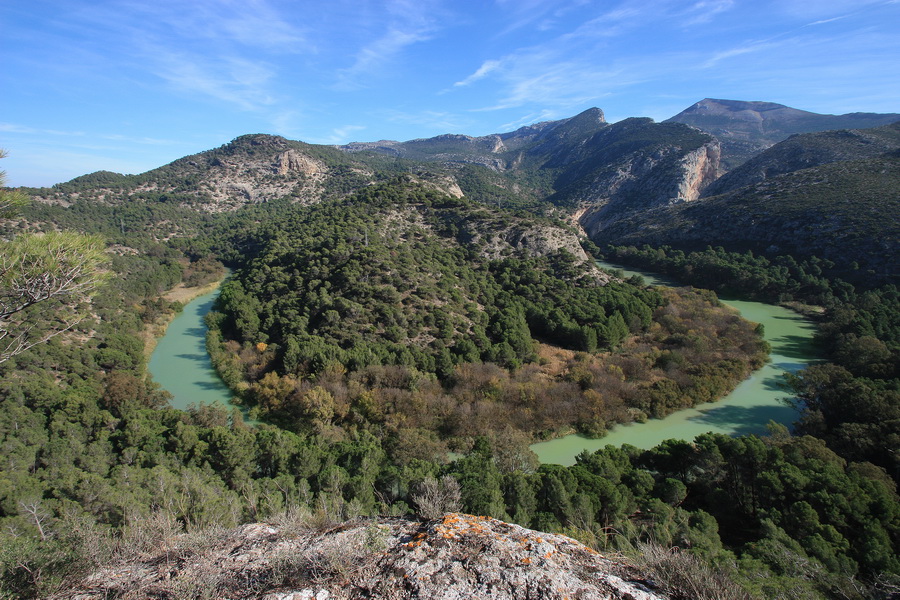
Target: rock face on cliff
<point>455,557</point>
<point>636,165</point>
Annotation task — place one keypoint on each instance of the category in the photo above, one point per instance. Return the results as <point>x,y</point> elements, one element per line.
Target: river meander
<point>748,409</point>
<point>181,365</point>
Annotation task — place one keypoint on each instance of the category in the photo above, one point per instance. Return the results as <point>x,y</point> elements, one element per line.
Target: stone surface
<point>456,557</point>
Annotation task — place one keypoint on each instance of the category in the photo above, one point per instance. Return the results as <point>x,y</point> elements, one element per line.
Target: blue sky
<point>130,85</point>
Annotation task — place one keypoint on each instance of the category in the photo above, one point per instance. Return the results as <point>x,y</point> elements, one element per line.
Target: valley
<point>181,366</point>
<point>423,316</point>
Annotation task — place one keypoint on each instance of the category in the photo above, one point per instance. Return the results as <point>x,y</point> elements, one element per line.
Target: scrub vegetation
<point>373,332</point>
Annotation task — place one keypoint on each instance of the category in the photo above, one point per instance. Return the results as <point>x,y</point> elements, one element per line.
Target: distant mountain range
<point>746,128</point>
<point>753,175</point>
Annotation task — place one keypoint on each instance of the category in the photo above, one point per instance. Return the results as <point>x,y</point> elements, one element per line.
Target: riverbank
<point>747,409</point>
<point>181,364</point>
<point>182,294</point>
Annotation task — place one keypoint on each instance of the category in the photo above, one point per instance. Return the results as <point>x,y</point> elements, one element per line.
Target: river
<point>749,407</point>
<point>181,365</point>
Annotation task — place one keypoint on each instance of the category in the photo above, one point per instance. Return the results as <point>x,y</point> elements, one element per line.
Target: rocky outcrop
<point>534,241</point>
<point>445,184</point>
<point>293,161</point>
<point>498,237</point>
<point>455,557</point>
<point>700,169</point>
<point>233,181</point>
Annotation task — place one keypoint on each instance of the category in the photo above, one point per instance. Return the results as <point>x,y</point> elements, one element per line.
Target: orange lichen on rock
<point>456,556</point>
<point>455,525</point>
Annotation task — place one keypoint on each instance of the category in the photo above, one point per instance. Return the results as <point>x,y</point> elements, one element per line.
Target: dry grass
<point>683,576</point>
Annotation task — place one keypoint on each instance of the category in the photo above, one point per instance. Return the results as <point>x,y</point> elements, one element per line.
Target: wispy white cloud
<point>747,48</point>
<point>485,68</point>
<point>539,14</point>
<point>428,120</point>
<point>559,75</point>
<point>232,80</point>
<point>340,135</point>
<point>831,20</point>
<point>34,131</point>
<point>612,23</point>
<point>252,23</point>
<point>530,119</point>
<point>376,54</point>
<point>826,11</point>
<point>408,22</point>
<point>704,11</point>
<point>226,50</point>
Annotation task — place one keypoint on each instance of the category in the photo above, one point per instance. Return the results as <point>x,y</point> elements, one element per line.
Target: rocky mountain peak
<point>453,557</point>
<point>746,128</point>
<point>741,110</point>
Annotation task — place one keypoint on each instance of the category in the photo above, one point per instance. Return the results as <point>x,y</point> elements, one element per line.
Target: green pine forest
<point>384,338</point>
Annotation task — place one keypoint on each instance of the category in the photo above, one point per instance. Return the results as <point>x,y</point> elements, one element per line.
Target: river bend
<point>181,365</point>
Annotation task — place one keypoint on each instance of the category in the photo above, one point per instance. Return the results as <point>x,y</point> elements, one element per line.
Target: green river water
<point>748,409</point>
<point>181,365</point>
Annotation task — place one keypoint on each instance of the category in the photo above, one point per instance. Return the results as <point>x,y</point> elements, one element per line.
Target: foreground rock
<point>456,557</point>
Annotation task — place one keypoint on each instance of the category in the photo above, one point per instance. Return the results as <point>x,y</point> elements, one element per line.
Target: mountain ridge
<point>580,169</point>
<point>746,128</point>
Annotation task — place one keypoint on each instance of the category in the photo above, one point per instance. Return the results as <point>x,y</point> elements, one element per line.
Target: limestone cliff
<point>700,168</point>
<point>455,557</point>
<point>644,176</point>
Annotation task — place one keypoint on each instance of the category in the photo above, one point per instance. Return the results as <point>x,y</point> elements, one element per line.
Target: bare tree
<point>434,498</point>
<point>37,514</point>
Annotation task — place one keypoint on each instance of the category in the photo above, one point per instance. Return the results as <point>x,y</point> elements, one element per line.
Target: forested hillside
<point>401,331</point>
<point>420,315</point>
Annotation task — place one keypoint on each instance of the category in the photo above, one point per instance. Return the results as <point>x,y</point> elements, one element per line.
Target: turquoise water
<point>748,409</point>
<point>180,363</point>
